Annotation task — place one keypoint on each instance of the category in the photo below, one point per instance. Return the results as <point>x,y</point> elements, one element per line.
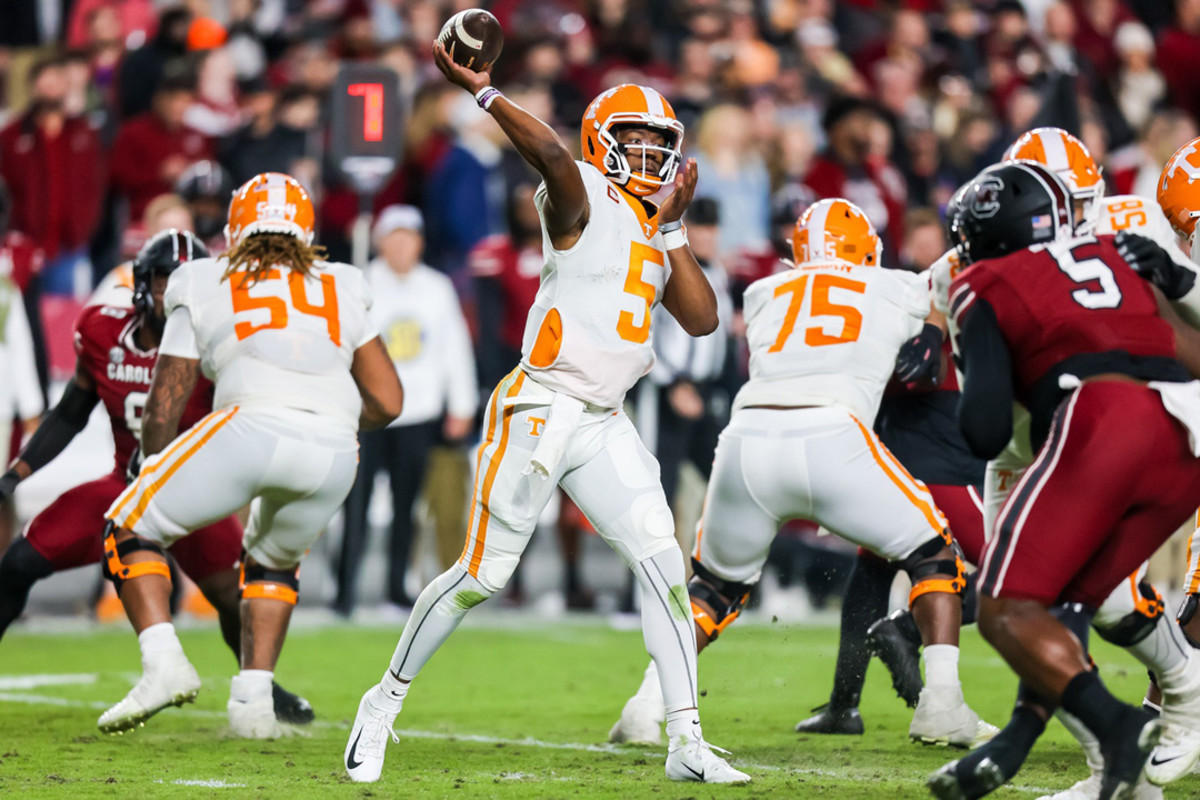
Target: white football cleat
<point>364,753</point>
<point>1179,750</point>
<point>944,718</point>
<point>640,723</point>
<point>170,680</point>
<point>690,758</point>
<point>1089,789</point>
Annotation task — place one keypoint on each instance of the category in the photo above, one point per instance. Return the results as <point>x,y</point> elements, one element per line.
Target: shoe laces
<point>376,731</point>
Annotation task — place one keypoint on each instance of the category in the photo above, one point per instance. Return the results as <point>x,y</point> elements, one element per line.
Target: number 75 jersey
<point>284,341</point>
<point>827,334</point>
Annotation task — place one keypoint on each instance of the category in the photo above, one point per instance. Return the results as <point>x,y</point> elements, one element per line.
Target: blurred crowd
<point>122,117</point>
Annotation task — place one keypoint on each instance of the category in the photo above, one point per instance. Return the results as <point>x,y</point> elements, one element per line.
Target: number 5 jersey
<point>588,332</point>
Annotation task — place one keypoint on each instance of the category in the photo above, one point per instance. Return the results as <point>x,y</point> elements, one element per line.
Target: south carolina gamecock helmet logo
<point>639,106</point>
<point>836,229</point>
<point>270,202</point>
<point>1179,188</point>
<point>1070,159</point>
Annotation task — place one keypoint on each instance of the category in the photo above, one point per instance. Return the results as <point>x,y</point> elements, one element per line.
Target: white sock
<point>158,640</point>
<point>941,666</point>
<point>1164,651</point>
<point>684,722</point>
<point>251,684</point>
<point>651,688</point>
<point>394,691</point>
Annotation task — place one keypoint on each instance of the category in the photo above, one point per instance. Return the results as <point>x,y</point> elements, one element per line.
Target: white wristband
<point>674,239</point>
<point>486,96</point>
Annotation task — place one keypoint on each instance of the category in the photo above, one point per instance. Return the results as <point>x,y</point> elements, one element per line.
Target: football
<point>473,38</point>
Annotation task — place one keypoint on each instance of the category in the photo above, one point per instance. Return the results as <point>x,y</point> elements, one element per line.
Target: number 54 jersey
<point>827,334</point>
<point>285,341</point>
<point>588,332</point>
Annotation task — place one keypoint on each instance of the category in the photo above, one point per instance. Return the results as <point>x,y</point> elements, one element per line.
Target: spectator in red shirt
<point>54,167</point>
<point>153,149</point>
<point>850,168</point>
<point>1179,57</point>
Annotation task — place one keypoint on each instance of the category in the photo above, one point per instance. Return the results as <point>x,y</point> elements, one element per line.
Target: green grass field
<point>501,712</point>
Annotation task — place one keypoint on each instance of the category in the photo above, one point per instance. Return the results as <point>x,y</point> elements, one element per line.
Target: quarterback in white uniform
<point>298,368</point>
<point>556,420</point>
<point>823,340</point>
<point>1132,616</point>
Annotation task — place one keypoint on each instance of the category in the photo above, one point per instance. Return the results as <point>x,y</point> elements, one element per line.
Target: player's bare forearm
<point>566,206</point>
<point>688,294</point>
<point>378,385</point>
<point>174,381</point>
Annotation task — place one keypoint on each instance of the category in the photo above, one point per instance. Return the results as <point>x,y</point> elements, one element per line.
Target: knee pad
<point>118,571</point>
<point>922,565</point>
<point>256,582</point>
<point>1137,624</point>
<point>726,598</point>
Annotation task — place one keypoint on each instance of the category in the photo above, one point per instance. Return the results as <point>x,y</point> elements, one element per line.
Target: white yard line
<point>34,681</point>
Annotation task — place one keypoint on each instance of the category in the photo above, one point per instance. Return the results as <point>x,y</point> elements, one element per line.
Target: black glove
<point>8,484</point>
<point>920,359</point>
<point>134,466</point>
<point>1155,264</point>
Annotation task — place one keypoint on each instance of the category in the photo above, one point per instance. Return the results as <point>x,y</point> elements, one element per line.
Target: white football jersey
<point>588,332</point>
<point>286,341</point>
<point>827,333</point>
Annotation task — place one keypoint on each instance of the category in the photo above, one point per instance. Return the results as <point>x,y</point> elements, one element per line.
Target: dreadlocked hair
<point>259,253</point>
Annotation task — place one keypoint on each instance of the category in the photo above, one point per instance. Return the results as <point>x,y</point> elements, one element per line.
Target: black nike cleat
<point>897,642</point>
<point>830,720</point>
<point>1126,750</point>
<point>961,780</point>
<point>291,708</point>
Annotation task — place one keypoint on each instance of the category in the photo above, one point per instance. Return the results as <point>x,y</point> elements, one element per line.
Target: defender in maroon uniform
<point>116,349</point>
<point>1064,326</point>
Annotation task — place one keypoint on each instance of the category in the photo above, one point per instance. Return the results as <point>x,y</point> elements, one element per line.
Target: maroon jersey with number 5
<point>121,371</point>
<point>1067,303</point>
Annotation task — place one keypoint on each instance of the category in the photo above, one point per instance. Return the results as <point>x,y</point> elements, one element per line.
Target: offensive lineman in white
<point>1132,616</point>
<point>611,256</point>
<point>298,369</point>
<point>823,340</point>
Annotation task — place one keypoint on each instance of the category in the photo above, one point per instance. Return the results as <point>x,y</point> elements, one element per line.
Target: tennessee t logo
<point>535,426</point>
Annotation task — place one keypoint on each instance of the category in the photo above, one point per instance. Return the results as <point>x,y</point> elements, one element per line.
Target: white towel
<point>562,419</point>
<point>1182,401</point>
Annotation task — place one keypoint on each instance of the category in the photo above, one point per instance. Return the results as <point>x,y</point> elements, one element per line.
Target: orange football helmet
<point>1070,159</point>
<point>1179,188</point>
<point>641,106</point>
<point>270,202</point>
<point>836,229</point>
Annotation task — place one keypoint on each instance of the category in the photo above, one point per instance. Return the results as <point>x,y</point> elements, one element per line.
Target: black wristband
<point>8,484</point>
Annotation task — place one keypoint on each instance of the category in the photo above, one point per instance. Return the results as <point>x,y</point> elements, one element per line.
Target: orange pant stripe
<point>191,434</point>
<point>932,515</point>
<point>497,406</point>
<point>479,535</point>
<point>153,488</point>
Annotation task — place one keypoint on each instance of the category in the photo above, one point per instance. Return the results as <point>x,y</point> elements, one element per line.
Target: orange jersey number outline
<point>821,306</point>
<point>1134,214</point>
<point>328,310</point>
<point>634,285</point>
